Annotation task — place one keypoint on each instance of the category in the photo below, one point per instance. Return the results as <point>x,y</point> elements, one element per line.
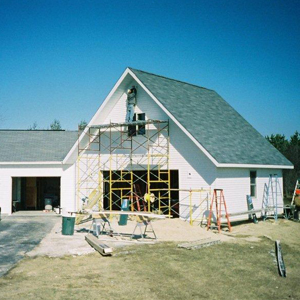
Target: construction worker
<point>131,103</point>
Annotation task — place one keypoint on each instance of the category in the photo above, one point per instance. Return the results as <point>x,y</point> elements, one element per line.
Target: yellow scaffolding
<point>113,159</point>
<point>194,204</point>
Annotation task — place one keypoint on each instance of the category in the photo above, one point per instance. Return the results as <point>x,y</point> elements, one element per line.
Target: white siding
<point>68,188</point>
<point>236,185</point>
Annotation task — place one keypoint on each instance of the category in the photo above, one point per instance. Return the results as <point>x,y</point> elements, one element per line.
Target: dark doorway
<point>30,193</point>
<point>121,187</point>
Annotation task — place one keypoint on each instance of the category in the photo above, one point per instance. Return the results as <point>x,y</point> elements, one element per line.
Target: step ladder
<point>271,196</point>
<point>137,197</point>
<point>218,200</point>
<point>296,191</point>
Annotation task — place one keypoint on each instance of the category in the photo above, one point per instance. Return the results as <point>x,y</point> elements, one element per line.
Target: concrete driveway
<point>20,233</point>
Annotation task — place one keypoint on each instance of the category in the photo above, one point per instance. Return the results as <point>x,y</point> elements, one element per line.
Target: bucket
<point>68,224</point>
<point>123,218</point>
<point>48,203</point>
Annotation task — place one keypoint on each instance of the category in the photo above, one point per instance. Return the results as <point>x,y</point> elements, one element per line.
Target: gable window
<point>141,128</point>
<point>253,183</point>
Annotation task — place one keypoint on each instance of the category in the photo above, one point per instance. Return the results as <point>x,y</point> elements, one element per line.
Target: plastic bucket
<point>68,225</point>
<point>123,218</point>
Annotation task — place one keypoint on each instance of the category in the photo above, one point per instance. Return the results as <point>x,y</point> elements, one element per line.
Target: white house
<point>185,142</point>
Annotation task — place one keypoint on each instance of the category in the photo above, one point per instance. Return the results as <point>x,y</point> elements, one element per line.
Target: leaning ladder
<point>218,200</point>
<point>270,198</point>
<point>296,191</point>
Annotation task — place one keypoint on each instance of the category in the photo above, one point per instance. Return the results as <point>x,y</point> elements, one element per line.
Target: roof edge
<point>254,166</point>
<point>31,163</point>
<point>210,157</point>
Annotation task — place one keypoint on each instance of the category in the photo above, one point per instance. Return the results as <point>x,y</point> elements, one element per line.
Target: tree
<point>82,125</point>
<point>55,125</point>
<point>34,126</point>
<point>279,142</point>
<point>291,150</point>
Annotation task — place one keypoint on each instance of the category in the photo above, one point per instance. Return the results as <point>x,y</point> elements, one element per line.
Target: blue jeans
<point>130,113</point>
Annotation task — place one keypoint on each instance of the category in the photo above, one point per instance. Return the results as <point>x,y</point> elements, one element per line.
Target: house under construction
<point>183,142</point>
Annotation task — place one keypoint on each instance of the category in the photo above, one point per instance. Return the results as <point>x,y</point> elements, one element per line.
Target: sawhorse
<point>142,221</point>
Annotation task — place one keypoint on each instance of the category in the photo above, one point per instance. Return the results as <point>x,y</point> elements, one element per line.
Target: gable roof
<point>35,145</point>
<point>218,128</point>
<point>223,135</point>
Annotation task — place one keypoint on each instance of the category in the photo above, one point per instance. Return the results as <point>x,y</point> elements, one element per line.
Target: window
<point>141,128</point>
<point>253,183</point>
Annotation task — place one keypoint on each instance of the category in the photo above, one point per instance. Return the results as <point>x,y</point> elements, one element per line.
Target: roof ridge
<point>180,81</point>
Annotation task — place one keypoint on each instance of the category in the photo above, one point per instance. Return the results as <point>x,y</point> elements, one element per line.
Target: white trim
<point>32,163</point>
<point>254,166</point>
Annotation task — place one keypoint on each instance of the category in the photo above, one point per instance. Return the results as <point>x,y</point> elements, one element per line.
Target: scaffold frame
<point>114,158</point>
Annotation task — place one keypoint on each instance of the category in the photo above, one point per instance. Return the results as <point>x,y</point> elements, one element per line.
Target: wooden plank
<point>102,248</point>
<point>130,213</point>
<point>248,212</point>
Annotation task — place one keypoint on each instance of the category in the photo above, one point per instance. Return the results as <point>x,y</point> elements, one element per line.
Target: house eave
<point>31,163</point>
<point>254,166</point>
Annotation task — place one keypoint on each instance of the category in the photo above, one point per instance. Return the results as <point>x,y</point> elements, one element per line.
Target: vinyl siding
<point>236,185</point>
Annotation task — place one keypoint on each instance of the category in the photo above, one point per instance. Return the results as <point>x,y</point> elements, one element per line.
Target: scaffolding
<point>119,161</point>
<point>194,205</point>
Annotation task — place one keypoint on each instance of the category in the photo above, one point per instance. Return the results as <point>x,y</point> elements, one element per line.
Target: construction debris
<point>199,244</point>
<point>279,257</point>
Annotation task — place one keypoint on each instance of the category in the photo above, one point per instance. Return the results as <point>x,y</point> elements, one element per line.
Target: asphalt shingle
<point>35,145</point>
<point>221,130</point>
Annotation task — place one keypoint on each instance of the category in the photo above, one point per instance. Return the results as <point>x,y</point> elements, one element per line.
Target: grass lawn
<point>239,270</point>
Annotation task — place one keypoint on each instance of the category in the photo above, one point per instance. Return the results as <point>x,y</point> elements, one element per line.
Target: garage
<point>34,193</point>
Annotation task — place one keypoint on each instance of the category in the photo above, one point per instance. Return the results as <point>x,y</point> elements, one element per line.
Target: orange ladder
<point>138,196</point>
<point>219,200</point>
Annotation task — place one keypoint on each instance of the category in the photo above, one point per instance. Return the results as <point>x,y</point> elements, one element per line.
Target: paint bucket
<point>48,203</point>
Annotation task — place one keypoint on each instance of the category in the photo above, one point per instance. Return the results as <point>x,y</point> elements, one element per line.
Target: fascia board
<point>174,119</point>
<point>252,166</point>
<point>74,148</point>
<point>31,163</point>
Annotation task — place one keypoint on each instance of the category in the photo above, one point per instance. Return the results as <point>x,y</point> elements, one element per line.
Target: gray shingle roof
<point>221,130</point>
<point>35,145</point>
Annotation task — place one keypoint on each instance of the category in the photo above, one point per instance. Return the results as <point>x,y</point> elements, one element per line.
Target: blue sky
<point>59,59</point>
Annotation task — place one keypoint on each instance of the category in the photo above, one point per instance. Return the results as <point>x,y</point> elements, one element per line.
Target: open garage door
<point>33,193</point>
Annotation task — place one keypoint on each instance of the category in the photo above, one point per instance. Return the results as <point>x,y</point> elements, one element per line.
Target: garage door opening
<point>33,193</point>
<point>118,187</point>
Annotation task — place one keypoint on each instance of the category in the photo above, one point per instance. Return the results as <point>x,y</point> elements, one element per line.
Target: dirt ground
<point>242,266</point>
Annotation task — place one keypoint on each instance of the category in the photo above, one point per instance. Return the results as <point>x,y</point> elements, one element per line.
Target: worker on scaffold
<point>131,103</point>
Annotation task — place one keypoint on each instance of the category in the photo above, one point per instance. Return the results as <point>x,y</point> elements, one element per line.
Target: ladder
<point>272,193</point>
<point>218,200</point>
<point>296,191</point>
<point>137,196</point>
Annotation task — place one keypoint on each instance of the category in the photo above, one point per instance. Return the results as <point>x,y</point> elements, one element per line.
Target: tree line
<point>290,148</point>
<point>55,125</point>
